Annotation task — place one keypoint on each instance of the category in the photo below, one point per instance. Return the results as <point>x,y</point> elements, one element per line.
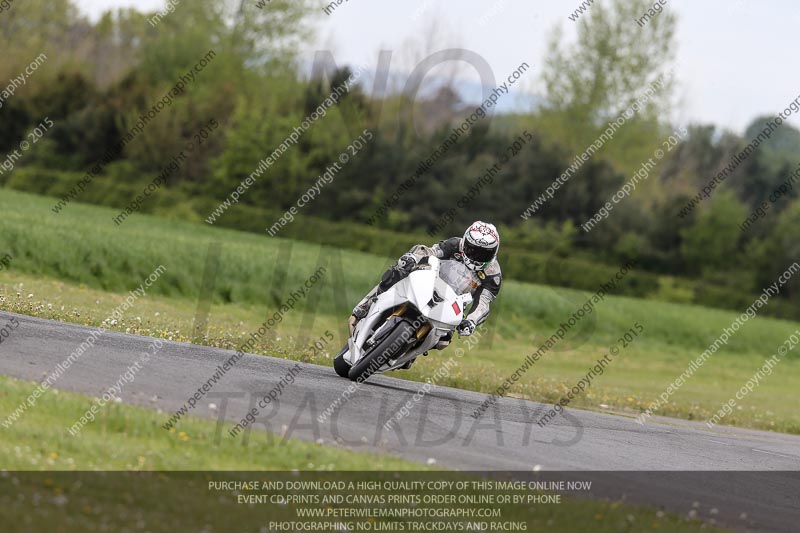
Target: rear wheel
<point>392,345</point>
<point>341,366</point>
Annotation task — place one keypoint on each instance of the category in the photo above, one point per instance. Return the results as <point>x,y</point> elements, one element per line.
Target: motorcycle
<point>417,314</point>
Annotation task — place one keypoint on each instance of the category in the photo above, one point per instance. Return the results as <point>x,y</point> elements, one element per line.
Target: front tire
<point>392,345</point>
<point>341,366</point>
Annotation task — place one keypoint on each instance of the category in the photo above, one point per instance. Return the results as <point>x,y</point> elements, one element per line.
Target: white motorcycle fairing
<point>439,304</point>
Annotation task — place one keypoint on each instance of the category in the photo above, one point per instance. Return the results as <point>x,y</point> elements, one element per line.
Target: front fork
<point>422,330</point>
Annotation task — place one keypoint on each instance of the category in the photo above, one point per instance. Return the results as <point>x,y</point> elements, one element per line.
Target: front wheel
<point>390,347</point>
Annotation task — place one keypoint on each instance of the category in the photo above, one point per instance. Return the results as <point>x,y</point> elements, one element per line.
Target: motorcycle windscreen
<point>457,276</point>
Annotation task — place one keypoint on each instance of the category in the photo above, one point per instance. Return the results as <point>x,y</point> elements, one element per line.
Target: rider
<point>477,249</point>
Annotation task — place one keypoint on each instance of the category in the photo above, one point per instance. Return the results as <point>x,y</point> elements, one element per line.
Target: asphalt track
<point>746,479</point>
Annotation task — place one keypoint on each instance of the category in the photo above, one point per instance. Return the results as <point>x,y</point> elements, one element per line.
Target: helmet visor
<point>478,253</point>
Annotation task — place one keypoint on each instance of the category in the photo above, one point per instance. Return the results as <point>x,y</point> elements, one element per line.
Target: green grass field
<point>74,267</point>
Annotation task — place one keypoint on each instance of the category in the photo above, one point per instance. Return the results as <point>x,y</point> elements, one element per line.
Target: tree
<point>597,78</point>
<point>711,244</point>
<point>33,27</point>
<point>780,249</point>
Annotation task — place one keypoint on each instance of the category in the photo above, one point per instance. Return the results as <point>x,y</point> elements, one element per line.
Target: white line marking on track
<point>719,442</point>
<point>773,453</point>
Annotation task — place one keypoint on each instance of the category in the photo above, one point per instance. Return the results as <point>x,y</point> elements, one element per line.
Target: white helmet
<point>479,246</point>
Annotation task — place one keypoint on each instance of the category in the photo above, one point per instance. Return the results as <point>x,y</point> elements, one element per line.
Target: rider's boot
<point>444,342</point>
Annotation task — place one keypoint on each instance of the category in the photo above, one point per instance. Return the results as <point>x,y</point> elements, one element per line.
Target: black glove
<point>406,262</point>
<point>466,328</point>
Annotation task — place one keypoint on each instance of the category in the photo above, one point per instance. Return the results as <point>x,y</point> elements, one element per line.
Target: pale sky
<point>735,58</point>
